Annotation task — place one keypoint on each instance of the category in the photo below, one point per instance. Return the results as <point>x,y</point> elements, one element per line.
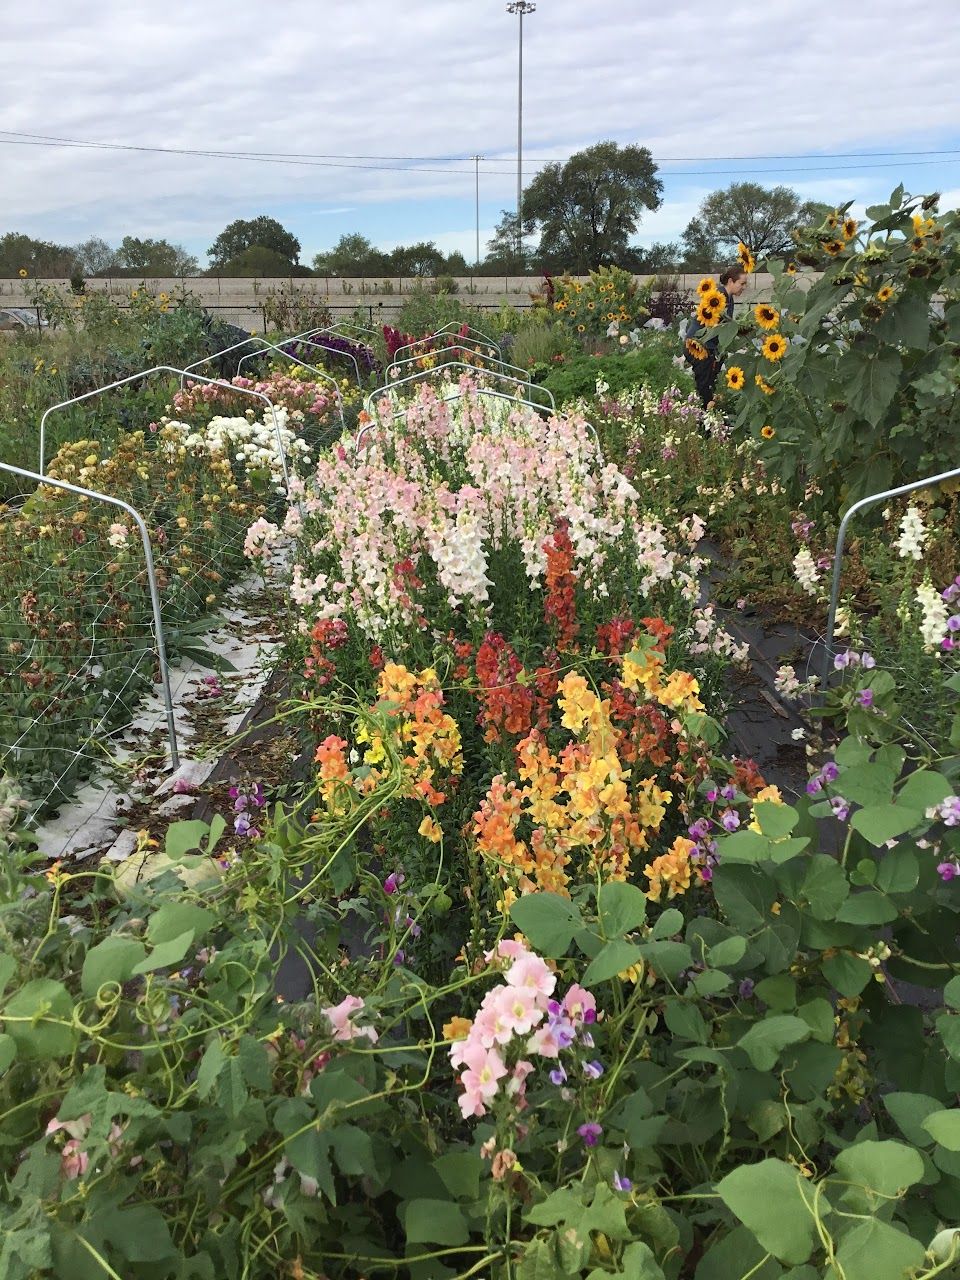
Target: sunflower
<point>917,244</point>
<point>23,273</point>
<point>707,285</point>
<point>708,315</point>
<point>735,378</point>
<point>611,316</point>
<point>775,347</point>
<point>714,300</point>
<point>696,349</point>
<point>849,228</point>
<point>790,269</point>
<point>767,432</point>
<point>885,294</point>
<point>747,260</point>
<point>591,306</point>
<point>581,328</point>
<point>764,385</point>
<point>833,247</point>
<point>767,317</point>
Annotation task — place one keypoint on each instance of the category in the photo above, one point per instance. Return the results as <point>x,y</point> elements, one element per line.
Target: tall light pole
<point>520,7</point>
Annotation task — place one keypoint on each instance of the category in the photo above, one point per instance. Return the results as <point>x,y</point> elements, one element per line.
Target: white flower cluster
<point>712,638</point>
<point>258,445</point>
<point>789,685</point>
<point>805,571</point>
<point>457,550</point>
<point>913,535</point>
<point>934,614</point>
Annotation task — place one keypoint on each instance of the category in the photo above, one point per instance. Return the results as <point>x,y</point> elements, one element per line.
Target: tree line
<point>575,216</point>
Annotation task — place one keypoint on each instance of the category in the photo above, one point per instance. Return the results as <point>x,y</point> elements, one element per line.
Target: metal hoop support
<point>457,395</point>
<point>165,368</point>
<point>369,403</point>
<point>500,365</point>
<point>324,377</point>
<point>40,479</point>
<point>450,328</point>
<point>869,501</point>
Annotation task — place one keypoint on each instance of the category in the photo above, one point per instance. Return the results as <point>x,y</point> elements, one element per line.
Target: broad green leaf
<point>779,992</point>
<point>667,924</point>
<point>669,959</point>
<point>175,918</point>
<point>685,1021</point>
<point>745,896</point>
<point>729,951</point>
<point>951,993</point>
<point>166,954</point>
<point>639,1263</point>
<point>612,958</point>
<point>907,322</point>
<point>776,820</point>
<point>909,1110</point>
<point>255,1062</point>
<point>765,1040</point>
<point>819,1017</point>
<point>34,1018</point>
<point>8,1051</point>
<point>944,1127</point>
<point>8,967</point>
<point>184,837</point>
<point>139,1234</point>
<point>899,871</point>
<point>711,983</point>
<point>211,1064</point>
<point>539,1262</point>
<point>881,1169</point>
<point>547,921</point>
<point>622,908</point>
<point>460,1172</point>
<point>735,1253</point>
<point>112,960</point>
<point>924,790</point>
<point>561,1205</point>
<point>231,1090</point>
<point>848,973</point>
<point>769,1199</point>
<point>825,887</point>
<point>867,907</point>
<point>435,1222</point>
<point>882,822</point>
<point>877,1251</point>
<point>353,1150</point>
<point>948,1025</point>
<point>874,383</point>
<point>867,784</point>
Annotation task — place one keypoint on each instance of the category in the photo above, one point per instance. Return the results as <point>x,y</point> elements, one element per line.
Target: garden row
<point>585,995</point>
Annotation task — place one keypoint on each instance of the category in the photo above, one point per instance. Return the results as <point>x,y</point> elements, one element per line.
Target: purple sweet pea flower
<point>868,661</point>
<point>730,820</point>
<point>815,785</point>
<point>830,772</point>
<point>948,870</point>
<point>840,807</point>
<point>865,697</point>
<point>593,1070</point>
<point>558,1076</point>
<point>746,989</point>
<point>729,792</point>
<point>590,1133</point>
<point>700,829</point>
<point>950,811</point>
<point>953,624</point>
<point>393,882</point>
<point>621,1184</point>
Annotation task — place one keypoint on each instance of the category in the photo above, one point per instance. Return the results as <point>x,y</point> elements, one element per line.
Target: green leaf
<point>622,907</point>
<point>184,837</point>
<point>779,992</point>
<point>769,1199</point>
<point>669,959</point>
<point>561,1205</point>
<point>42,1004</point>
<point>881,1169</point>
<point>867,907</point>
<point>818,1015</point>
<point>685,1021</point>
<point>899,871</point>
<point>211,1064</point>
<point>924,790</point>
<point>877,1251</point>
<point>166,954</point>
<point>547,921</point>
<point>847,973</point>
<point>612,958</point>
<point>765,1040</point>
<point>139,1234</point>
<point>539,1262</point>
<point>874,383</point>
<point>745,896</point>
<point>174,918</point>
<point>909,1110</point>
<point>825,887</point>
<point>907,322</point>
<point>353,1150</point>
<point>944,1127</point>
<point>460,1173</point>
<point>948,1025</point>
<point>8,1051</point>
<point>951,992</point>
<point>735,1254</point>
<point>667,924</point>
<point>112,960</point>
<point>435,1222</point>
<point>776,820</point>
<point>729,951</point>
<point>8,967</point>
<point>882,822</point>
<point>255,1062</point>
<point>867,784</point>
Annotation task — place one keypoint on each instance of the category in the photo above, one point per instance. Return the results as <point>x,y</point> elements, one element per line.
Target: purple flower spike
<point>590,1133</point>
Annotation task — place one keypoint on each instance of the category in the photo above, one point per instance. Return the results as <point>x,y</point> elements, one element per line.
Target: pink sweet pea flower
<point>531,973</point>
<point>579,1005</point>
<point>73,1161</point>
<point>485,1068</point>
<point>339,1016</point>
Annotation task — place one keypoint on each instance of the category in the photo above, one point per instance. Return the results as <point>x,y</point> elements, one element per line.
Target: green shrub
<point>650,365</point>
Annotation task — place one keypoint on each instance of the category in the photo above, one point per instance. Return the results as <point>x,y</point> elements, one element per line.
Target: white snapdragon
<point>118,534</point>
<point>805,571</point>
<point>913,535</point>
<point>934,614</point>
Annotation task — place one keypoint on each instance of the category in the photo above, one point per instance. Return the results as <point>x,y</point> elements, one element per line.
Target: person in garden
<point>715,304</point>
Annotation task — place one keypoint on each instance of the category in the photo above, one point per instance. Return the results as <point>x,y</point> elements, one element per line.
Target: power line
<point>309,160</point>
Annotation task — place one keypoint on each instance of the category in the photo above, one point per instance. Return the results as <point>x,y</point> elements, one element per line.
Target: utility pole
<point>476,168</point>
<point>521,8</point>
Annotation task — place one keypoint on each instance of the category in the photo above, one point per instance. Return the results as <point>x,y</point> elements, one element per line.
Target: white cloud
<point>427,78</point>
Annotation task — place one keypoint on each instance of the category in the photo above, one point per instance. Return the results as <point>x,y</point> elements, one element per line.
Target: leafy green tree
<point>136,257</point>
<point>421,259</point>
<point>352,255</point>
<point>763,218</point>
<point>502,258</point>
<point>658,257</point>
<point>243,234</point>
<point>95,257</point>
<point>456,264</point>
<point>587,209</point>
<point>259,261</point>
<point>19,252</point>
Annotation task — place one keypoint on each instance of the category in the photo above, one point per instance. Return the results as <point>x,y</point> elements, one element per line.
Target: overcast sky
<point>695,80</point>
